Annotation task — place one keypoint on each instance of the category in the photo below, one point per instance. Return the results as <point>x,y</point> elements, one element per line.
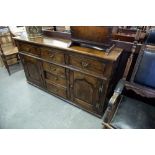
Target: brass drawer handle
<point>84,64</point>
<point>53,69</point>
<point>56,78</point>
<point>71,86</point>
<point>52,56</point>
<point>62,76</point>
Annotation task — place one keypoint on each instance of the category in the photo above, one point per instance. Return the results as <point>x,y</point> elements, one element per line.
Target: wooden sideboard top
<point>64,43</point>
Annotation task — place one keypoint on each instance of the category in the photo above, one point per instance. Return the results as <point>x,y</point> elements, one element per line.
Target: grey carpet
<point>25,106</point>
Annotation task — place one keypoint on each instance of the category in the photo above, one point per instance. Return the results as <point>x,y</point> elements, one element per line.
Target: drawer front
<point>53,55</point>
<point>89,65</point>
<point>55,79</point>
<point>60,91</point>
<point>27,48</point>
<point>54,69</point>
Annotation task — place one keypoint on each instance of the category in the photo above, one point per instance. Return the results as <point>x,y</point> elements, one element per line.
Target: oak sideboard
<point>81,76</point>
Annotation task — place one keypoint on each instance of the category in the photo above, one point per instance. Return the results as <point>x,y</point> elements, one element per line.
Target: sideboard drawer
<point>53,55</point>
<point>27,48</point>
<point>88,64</point>
<point>58,90</point>
<point>56,79</point>
<point>54,69</point>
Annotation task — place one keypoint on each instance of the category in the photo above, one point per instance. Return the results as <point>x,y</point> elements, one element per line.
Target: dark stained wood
<point>28,48</point>
<point>79,75</point>
<point>63,44</point>
<point>54,69</point>
<point>53,55</point>
<point>99,36</point>
<point>33,70</point>
<point>91,65</point>
<point>57,79</point>
<point>56,89</point>
<point>129,35</point>
<point>8,50</point>
<point>86,90</point>
<point>130,60</point>
<point>128,55</point>
<point>62,35</point>
<point>140,90</point>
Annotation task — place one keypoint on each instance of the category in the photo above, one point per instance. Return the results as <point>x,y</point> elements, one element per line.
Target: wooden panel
<point>93,34</point>
<point>128,38</point>
<point>33,70</point>
<point>61,91</point>
<point>53,55</point>
<point>91,65</point>
<point>11,56</point>
<point>54,69</point>
<point>53,43</point>
<point>28,48</point>
<point>12,61</point>
<point>86,90</point>
<point>55,79</point>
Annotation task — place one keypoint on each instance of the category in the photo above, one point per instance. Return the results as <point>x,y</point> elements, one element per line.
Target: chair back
<point>129,35</point>
<point>5,40</point>
<point>151,37</point>
<point>144,71</point>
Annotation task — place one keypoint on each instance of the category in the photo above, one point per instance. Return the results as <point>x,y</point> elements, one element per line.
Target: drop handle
<point>71,86</point>
<point>56,78</point>
<point>84,64</point>
<point>52,56</point>
<point>53,69</point>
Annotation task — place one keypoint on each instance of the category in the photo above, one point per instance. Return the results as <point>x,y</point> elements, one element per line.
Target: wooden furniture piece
<point>1,62</point>
<point>8,51</point>
<point>129,35</point>
<point>132,104</point>
<point>97,37</point>
<point>126,46</point>
<point>81,76</point>
<point>130,54</point>
<point>57,34</point>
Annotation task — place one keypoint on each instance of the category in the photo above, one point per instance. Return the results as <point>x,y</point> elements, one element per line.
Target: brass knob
<point>71,86</point>
<point>61,76</point>
<point>84,64</point>
<point>56,78</point>
<point>53,69</point>
<point>52,56</point>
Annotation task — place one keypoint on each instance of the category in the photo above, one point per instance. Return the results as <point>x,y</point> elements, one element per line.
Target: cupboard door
<point>86,91</point>
<point>33,70</point>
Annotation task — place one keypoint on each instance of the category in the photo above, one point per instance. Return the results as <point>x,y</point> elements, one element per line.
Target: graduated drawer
<point>55,79</point>
<point>30,49</point>
<point>91,65</point>
<point>54,69</point>
<point>53,55</point>
<point>58,90</point>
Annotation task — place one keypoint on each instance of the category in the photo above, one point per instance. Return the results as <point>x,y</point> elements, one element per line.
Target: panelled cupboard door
<point>33,70</point>
<point>86,91</point>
